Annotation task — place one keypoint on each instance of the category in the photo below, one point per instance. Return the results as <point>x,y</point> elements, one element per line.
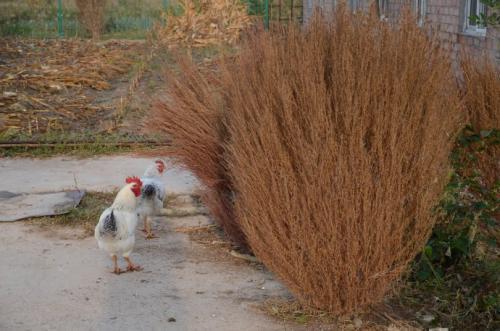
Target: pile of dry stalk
<point>51,84</point>
<point>205,23</point>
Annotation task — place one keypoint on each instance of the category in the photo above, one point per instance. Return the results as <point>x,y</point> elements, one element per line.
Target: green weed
<point>86,215</point>
<point>456,277</point>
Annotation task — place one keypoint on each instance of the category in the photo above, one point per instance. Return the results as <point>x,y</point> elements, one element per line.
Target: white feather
<point>153,205</point>
<point>125,214</point>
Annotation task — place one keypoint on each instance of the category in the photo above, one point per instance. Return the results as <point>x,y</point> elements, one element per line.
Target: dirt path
<point>53,280</point>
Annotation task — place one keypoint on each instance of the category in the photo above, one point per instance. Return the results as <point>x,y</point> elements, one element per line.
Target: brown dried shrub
<point>481,91</point>
<point>333,143</point>
<point>91,16</point>
<point>192,117</point>
<point>339,136</point>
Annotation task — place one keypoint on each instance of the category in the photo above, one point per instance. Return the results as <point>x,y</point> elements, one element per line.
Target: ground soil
<point>55,278</point>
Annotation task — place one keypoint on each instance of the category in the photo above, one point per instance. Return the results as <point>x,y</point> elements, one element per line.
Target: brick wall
<point>446,18</point>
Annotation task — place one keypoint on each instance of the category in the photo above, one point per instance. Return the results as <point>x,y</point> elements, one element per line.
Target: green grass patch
<point>86,215</point>
<point>86,144</point>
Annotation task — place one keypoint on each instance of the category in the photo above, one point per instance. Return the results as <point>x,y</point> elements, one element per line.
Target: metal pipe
<point>60,30</point>
<point>266,14</point>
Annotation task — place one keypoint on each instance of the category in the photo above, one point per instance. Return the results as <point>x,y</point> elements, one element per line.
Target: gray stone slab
<point>14,207</point>
<point>7,195</point>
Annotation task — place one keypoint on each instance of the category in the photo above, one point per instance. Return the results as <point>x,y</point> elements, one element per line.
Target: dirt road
<point>55,280</point>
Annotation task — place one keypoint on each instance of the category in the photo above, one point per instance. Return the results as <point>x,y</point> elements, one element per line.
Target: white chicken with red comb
<point>115,232</point>
<point>152,195</point>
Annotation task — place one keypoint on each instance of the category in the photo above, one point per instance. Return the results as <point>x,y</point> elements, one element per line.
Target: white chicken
<point>115,232</point>
<point>152,196</point>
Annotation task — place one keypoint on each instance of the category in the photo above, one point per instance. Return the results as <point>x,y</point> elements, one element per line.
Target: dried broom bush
<point>339,136</point>
<point>481,91</point>
<point>192,118</point>
<point>91,15</point>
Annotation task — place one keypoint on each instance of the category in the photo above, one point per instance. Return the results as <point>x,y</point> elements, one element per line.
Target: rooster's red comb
<point>133,180</point>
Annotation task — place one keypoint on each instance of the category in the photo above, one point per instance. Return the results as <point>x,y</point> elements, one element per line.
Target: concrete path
<point>52,279</point>
<point>107,173</point>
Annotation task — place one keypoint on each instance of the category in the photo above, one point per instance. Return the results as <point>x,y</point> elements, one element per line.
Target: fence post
<point>266,14</point>
<point>60,18</point>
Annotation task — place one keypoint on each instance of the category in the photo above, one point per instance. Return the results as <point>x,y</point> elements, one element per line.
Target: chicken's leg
<point>131,266</point>
<point>145,220</point>
<point>116,269</point>
<point>149,233</point>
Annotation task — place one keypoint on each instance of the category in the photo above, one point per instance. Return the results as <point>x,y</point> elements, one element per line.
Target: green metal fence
<point>124,18</point>
<point>52,18</point>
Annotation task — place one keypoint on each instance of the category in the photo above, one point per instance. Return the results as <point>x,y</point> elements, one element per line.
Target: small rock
<point>357,322</point>
<point>427,318</point>
<point>171,319</point>
<point>181,201</point>
<point>55,87</point>
<point>8,94</point>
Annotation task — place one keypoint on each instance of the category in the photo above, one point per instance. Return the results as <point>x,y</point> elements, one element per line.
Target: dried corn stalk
<point>211,22</point>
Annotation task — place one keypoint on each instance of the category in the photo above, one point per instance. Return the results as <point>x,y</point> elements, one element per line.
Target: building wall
<point>446,18</point>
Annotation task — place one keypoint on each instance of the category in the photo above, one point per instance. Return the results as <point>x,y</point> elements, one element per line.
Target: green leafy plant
<point>488,19</point>
<point>467,211</point>
<point>456,277</point>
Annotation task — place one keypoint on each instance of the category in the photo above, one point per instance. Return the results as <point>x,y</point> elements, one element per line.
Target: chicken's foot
<point>131,266</point>
<point>116,269</point>
<point>149,233</point>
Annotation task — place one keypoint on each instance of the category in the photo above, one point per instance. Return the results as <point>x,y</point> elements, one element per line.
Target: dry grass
<point>192,118</point>
<point>481,91</point>
<point>380,318</point>
<point>91,15</point>
<point>205,23</point>
<point>49,85</point>
<point>338,150</point>
<point>331,141</point>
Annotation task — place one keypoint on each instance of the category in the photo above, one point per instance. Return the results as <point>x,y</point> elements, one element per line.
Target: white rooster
<point>152,196</point>
<point>115,232</point>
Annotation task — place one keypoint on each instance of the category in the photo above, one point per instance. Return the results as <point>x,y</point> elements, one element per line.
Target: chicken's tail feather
<point>109,225</point>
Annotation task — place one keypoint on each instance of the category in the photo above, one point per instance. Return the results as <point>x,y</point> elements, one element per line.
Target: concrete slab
<point>14,207</point>
<point>107,173</point>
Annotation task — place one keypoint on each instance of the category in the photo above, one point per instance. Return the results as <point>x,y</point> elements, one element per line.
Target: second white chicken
<point>152,195</point>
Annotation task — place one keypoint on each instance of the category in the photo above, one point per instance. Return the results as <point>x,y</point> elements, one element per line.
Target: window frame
<point>420,8</point>
<point>468,27</point>
<point>382,6</point>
